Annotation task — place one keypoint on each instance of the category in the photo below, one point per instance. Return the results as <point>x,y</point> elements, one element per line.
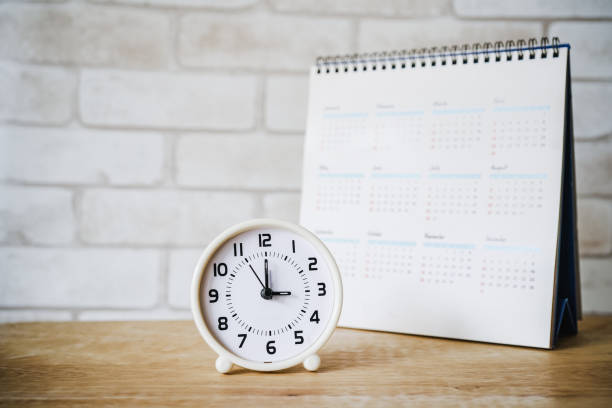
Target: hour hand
<point>280,293</point>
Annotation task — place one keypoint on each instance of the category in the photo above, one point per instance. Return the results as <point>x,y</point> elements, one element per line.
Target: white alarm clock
<point>266,295</point>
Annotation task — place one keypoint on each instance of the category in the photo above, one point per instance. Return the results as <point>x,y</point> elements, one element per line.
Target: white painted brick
<point>594,167</point>
<point>36,215</point>
<point>242,161</point>
<point>531,8</point>
<point>284,206</point>
<point>130,315</point>
<point>412,8</point>
<point>594,227</point>
<point>596,285</point>
<point>259,40</point>
<point>16,316</point>
<point>37,277</point>
<point>286,103</point>
<point>212,4</point>
<point>182,263</point>
<point>591,104</point>
<point>81,156</point>
<point>591,43</point>
<point>160,217</point>
<point>385,35</point>
<point>39,95</point>
<point>164,100</point>
<point>84,34</point>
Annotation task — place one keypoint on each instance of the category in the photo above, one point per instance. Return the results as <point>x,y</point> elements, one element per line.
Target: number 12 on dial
<point>266,295</point>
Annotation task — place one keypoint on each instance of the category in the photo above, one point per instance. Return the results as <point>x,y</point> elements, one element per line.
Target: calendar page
<point>437,189</point>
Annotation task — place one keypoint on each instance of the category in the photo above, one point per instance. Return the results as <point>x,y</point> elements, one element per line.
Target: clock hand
<point>255,273</point>
<point>268,291</point>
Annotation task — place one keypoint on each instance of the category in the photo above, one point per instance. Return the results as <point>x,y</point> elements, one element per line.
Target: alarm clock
<point>266,295</point>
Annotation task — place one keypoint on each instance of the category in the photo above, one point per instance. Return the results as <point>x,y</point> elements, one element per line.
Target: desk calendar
<point>442,180</point>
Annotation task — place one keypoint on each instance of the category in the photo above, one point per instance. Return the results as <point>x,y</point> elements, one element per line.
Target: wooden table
<point>168,364</point>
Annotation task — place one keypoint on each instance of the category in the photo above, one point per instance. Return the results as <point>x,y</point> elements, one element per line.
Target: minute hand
<point>257,276</point>
<point>266,275</point>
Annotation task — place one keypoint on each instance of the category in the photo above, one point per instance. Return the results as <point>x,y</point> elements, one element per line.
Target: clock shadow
<point>338,360</point>
<point>244,371</point>
<point>331,360</point>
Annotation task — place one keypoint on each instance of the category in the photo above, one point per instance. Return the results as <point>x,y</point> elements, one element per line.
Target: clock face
<point>266,294</point>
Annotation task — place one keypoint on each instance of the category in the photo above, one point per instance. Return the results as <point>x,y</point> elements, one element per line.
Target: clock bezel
<point>196,304</point>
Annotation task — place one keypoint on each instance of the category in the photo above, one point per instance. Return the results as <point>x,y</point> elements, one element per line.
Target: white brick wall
<point>180,271</point>
<point>382,34</point>
<point>239,161</point>
<point>591,43</point>
<point>259,40</point>
<point>286,102</point>
<point>592,117</point>
<point>36,95</point>
<point>159,217</point>
<point>167,100</point>
<point>132,132</point>
<point>81,156</point>
<point>84,34</point>
<point>79,278</point>
<point>37,215</point>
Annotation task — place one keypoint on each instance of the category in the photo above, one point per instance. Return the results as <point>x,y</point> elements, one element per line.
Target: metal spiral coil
<point>486,52</point>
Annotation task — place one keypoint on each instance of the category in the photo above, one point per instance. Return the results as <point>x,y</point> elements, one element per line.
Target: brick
<point>410,8</point>
<point>243,161</point>
<point>385,35</point>
<point>592,117</point>
<point>126,315</point>
<point>533,9</point>
<point>36,215</point>
<point>594,227</point>
<point>87,35</point>
<point>159,217</point>
<point>596,285</point>
<point>284,206</point>
<point>594,167</point>
<point>80,156</point>
<point>15,316</point>
<point>167,100</point>
<point>39,277</point>
<point>286,103</point>
<point>182,263</point>
<point>259,40</point>
<point>207,4</point>
<point>591,43</point>
<point>38,95</point>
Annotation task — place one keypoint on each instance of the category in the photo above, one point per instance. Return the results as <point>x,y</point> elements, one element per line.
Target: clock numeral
<point>223,323</point>
<point>214,295</point>
<point>243,336</point>
<point>322,291</point>
<point>270,347</point>
<point>293,245</point>
<point>315,317</point>
<point>238,249</point>
<point>264,240</point>
<point>298,339</point>
<point>220,269</point>
<point>312,264</point>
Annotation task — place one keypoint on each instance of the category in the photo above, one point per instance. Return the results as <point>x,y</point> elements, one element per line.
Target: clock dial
<point>267,295</point>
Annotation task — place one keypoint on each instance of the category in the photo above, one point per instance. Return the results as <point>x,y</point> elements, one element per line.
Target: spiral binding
<point>447,55</point>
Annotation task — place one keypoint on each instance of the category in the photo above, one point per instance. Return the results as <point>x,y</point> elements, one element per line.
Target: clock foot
<point>223,365</point>
<point>312,363</point>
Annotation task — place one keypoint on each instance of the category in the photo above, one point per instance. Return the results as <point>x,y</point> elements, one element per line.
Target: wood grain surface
<point>168,364</point>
